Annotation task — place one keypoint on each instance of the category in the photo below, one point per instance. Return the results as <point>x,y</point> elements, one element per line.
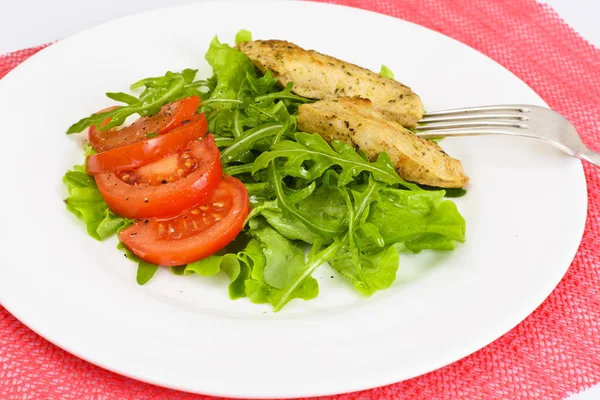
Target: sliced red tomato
<point>93,133</point>
<point>157,190</point>
<point>197,234</point>
<point>137,154</point>
<point>169,117</point>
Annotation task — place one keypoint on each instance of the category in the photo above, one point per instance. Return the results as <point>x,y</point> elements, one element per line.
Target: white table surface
<point>26,23</point>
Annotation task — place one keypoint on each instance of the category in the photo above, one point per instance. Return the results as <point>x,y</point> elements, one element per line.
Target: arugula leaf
<point>283,258</point>
<point>285,94</point>
<point>301,285</point>
<point>250,140</point>
<point>310,156</point>
<point>288,226</point>
<point>122,97</point>
<point>329,229</point>
<point>378,270</point>
<point>284,262</point>
<point>158,91</point>
<point>385,71</point>
<point>450,192</point>
<point>254,86</point>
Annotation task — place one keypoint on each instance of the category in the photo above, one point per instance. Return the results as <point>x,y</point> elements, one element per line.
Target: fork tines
<point>475,117</point>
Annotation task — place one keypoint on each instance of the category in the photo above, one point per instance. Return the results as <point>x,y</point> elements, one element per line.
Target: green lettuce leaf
<point>230,264</point>
<point>385,71</point>
<point>419,219</point>
<point>230,67</point>
<point>243,35</point>
<point>86,202</point>
<point>145,270</point>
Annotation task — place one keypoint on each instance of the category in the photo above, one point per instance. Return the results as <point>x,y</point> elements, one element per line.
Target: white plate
<point>525,214</point>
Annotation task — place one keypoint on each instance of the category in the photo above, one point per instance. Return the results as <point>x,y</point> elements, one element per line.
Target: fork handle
<point>590,156</point>
<point>577,149</point>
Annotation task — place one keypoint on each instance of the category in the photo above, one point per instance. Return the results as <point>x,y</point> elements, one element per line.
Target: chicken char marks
<point>318,76</point>
<point>356,122</point>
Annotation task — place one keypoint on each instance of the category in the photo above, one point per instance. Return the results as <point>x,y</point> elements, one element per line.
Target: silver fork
<point>513,120</point>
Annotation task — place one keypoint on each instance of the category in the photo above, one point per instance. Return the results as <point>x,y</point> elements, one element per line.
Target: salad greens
<point>385,71</point>
<point>354,214</point>
<point>86,202</point>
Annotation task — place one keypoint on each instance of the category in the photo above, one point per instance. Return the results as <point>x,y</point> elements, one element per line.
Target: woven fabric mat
<point>551,354</point>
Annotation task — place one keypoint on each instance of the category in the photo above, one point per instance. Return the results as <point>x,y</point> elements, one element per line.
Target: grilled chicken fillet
<point>318,76</point>
<point>357,123</point>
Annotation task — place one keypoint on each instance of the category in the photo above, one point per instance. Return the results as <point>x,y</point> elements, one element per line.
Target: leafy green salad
<point>311,202</point>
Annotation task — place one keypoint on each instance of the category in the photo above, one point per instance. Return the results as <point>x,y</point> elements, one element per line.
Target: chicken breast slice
<point>355,122</point>
<point>318,76</point>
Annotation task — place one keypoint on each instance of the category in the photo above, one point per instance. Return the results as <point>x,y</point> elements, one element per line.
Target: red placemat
<point>554,352</point>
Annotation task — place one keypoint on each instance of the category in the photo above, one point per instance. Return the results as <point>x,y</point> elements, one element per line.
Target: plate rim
<point>357,387</point>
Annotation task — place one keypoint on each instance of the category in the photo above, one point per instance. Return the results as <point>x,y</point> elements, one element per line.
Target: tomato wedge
<point>169,117</point>
<point>198,233</point>
<point>198,171</point>
<point>137,154</point>
<point>93,133</point>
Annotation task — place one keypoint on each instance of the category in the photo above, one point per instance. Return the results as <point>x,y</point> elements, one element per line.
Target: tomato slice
<point>137,154</point>
<point>198,170</point>
<point>169,117</point>
<point>93,133</point>
<point>197,234</point>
